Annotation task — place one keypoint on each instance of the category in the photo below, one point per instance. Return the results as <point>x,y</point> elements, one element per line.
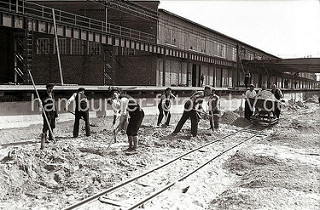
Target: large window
<point>62,46</point>
<point>43,46</point>
<point>234,54</point>
<point>94,48</point>
<point>77,47</point>
<point>128,51</point>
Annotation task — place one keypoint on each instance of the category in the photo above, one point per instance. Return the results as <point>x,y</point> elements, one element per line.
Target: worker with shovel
<point>213,108</point>
<point>48,104</point>
<point>119,106</point>
<point>164,106</point>
<point>190,112</point>
<point>81,111</point>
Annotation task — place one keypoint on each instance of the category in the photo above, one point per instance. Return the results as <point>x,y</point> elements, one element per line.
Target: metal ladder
<point>29,45</point>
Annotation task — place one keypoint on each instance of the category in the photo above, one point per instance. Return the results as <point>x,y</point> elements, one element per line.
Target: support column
<point>189,73</point>
<point>164,71</point>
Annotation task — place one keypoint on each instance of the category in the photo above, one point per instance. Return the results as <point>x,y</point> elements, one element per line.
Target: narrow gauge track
<point>191,162</point>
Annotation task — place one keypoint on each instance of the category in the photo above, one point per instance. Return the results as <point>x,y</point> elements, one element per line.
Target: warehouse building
<point>127,43</point>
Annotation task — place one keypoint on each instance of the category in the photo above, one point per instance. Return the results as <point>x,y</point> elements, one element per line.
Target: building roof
<point>309,65</point>
<point>216,32</point>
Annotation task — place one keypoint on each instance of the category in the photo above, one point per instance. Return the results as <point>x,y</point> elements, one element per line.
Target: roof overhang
<point>309,65</point>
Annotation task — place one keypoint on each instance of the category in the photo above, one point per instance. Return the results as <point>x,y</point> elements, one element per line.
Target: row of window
<point>187,40</point>
<point>67,47</point>
<point>74,47</point>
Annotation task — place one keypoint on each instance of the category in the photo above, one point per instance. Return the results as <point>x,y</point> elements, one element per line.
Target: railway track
<point>150,184</point>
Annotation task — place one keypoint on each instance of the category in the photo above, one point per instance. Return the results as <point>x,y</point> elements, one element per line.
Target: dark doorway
<point>199,76</point>
<point>6,56</point>
<point>194,75</point>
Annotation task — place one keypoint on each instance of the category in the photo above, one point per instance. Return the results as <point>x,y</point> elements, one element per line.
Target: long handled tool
<point>43,111</point>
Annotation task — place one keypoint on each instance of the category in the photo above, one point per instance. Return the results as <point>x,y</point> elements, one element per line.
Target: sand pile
<point>241,122</point>
<point>313,99</point>
<point>229,117</point>
<point>292,105</point>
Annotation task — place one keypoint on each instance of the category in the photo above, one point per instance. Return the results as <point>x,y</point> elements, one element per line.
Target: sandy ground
<point>280,171</point>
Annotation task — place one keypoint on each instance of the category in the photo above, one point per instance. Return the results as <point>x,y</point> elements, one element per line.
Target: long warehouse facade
<point>174,51</point>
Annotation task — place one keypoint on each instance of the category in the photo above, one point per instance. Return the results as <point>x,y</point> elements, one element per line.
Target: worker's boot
<point>43,139</point>
<point>50,137</point>
<point>130,143</point>
<point>135,142</point>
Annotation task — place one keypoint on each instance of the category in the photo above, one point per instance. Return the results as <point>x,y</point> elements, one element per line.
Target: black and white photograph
<point>160,104</point>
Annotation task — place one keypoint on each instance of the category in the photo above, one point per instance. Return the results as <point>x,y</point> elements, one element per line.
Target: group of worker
<point>275,94</point>
<point>130,113</point>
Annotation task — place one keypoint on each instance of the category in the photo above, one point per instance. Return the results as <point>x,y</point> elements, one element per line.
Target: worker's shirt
<point>116,105</point>
<point>124,101</point>
<point>213,103</point>
<point>251,94</point>
<point>165,100</point>
<point>48,102</point>
<point>194,102</point>
<point>277,93</point>
<point>81,101</point>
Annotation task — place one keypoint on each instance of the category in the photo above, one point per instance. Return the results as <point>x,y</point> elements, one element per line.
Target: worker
<point>247,78</point>
<point>190,111</point>
<point>248,107</point>
<point>119,105</point>
<point>164,106</point>
<point>213,108</point>
<point>201,79</point>
<point>81,111</point>
<point>48,104</point>
<point>136,115</point>
<point>278,95</point>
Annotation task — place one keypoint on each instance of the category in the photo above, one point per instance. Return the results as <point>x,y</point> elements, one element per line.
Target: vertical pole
<point>104,68</point>
<point>106,18</point>
<point>17,6</point>
<point>164,71</point>
<point>237,70</point>
<point>57,45</point>
<point>43,111</point>
<point>15,60</point>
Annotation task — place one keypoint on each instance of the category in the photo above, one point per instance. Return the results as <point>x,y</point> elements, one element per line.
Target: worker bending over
<point>164,106</point>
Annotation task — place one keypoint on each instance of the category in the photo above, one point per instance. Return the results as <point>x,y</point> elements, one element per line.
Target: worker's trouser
<point>85,116</point>
<point>163,112</point>
<point>194,122</point>
<point>214,119</point>
<point>248,112</point>
<point>52,122</point>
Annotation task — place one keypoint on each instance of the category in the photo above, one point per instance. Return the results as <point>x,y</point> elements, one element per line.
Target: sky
<point>284,28</point>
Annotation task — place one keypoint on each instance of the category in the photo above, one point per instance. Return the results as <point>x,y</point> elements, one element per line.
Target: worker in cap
<point>248,106</point>
<point>164,106</point>
<point>81,111</point>
<point>118,105</point>
<point>190,112</point>
<point>48,105</point>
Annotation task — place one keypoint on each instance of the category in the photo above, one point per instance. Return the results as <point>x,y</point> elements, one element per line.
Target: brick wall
<point>85,70</point>
<point>137,70</point>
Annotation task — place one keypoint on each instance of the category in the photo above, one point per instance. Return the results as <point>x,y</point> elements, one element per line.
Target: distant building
<point>141,45</point>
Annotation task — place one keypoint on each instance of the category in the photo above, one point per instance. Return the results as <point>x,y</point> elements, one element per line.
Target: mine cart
<point>264,111</point>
